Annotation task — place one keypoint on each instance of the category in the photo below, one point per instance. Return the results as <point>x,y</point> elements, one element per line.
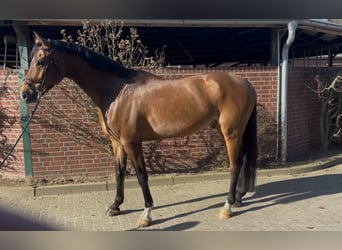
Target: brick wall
<point>56,149</point>
<point>10,124</point>
<point>55,152</point>
<point>304,111</point>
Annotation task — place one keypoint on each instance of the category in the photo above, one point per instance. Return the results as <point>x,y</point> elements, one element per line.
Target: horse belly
<point>180,116</point>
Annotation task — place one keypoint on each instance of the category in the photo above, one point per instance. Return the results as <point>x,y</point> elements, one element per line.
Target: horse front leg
<point>135,154</point>
<point>120,173</point>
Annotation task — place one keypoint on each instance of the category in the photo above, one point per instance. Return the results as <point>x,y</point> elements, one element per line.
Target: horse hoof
<point>144,223</point>
<point>238,204</point>
<point>225,214</point>
<point>113,212</point>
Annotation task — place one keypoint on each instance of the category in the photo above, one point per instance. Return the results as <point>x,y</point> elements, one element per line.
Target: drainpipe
<point>292,25</point>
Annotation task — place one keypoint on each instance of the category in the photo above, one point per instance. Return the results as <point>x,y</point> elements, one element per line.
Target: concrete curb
<point>173,179</point>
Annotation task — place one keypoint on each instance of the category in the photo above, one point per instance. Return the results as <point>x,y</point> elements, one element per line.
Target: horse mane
<point>95,59</point>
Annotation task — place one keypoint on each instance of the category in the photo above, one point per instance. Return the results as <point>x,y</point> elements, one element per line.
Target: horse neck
<point>96,84</point>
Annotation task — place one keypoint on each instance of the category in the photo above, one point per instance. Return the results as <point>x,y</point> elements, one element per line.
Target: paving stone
<point>307,201</point>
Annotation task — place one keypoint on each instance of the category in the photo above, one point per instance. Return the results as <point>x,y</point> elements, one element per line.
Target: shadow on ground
<point>279,192</point>
<point>10,221</point>
<point>285,192</point>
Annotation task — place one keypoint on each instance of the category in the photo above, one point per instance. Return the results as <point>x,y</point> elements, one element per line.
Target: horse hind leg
<point>247,158</point>
<point>233,143</point>
<point>242,151</point>
<point>242,184</point>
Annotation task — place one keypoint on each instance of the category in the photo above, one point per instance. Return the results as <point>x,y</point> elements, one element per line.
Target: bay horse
<point>134,105</point>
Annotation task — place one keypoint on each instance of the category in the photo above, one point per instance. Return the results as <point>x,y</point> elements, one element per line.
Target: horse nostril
<point>24,96</point>
<point>27,97</point>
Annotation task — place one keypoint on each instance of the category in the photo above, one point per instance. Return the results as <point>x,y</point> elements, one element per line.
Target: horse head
<point>43,73</point>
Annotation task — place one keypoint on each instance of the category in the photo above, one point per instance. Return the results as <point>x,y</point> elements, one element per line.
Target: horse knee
<point>142,179</point>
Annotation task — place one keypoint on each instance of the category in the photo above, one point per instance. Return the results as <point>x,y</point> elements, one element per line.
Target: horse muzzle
<point>29,95</point>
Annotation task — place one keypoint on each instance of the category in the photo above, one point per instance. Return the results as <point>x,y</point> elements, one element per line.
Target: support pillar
<point>22,35</point>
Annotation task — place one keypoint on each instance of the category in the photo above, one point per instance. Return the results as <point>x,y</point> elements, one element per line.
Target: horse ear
<point>40,40</point>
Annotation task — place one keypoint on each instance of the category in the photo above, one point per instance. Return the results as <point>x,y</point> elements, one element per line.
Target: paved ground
<point>307,201</point>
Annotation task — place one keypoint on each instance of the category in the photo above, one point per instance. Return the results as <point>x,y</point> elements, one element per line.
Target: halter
<point>41,89</point>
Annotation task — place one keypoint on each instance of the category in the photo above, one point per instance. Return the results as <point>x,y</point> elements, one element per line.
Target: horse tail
<point>249,151</point>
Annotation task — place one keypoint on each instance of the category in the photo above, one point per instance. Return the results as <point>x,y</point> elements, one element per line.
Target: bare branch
<point>330,95</point>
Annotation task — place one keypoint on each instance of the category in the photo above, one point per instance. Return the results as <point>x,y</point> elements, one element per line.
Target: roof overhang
<point>212,41</point>
<point>318,25</point>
